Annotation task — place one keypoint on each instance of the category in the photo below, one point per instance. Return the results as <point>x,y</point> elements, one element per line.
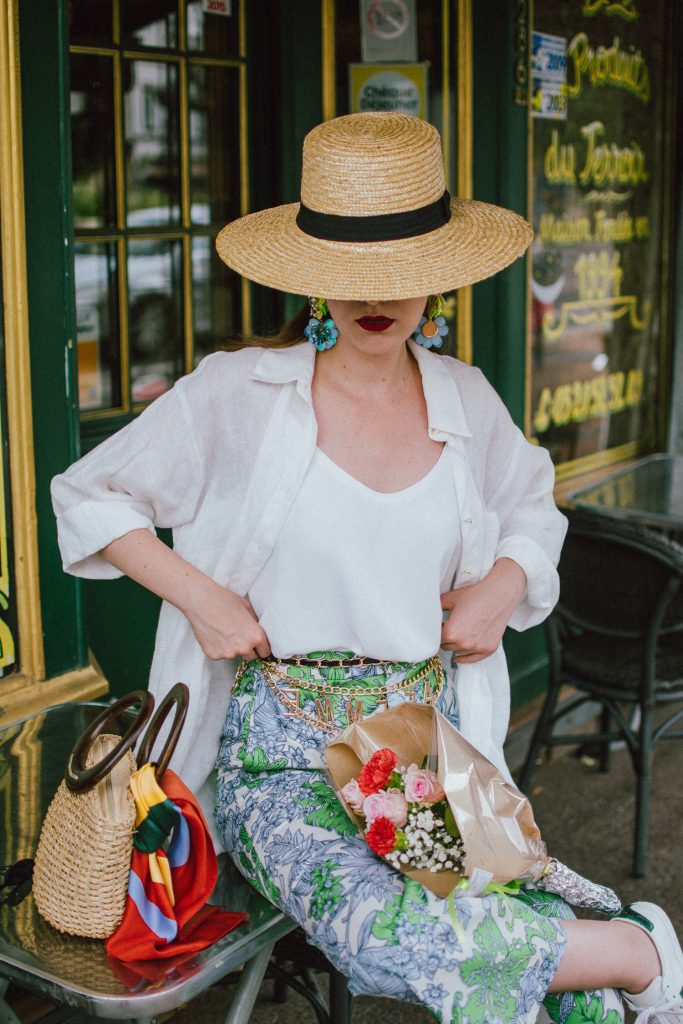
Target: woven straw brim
<point>479,240</point>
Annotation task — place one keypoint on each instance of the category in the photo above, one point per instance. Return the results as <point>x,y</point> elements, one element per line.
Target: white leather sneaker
<point>662,1001</point>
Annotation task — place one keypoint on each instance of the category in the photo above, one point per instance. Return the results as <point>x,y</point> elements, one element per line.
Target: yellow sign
<point>398,87</point>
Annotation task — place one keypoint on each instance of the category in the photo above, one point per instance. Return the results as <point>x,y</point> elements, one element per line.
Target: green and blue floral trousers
<point>291,838</point>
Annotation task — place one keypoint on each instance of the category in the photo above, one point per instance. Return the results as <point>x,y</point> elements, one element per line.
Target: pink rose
<point>389,804</point>
<point>352,795</point>
<point>422,786</point>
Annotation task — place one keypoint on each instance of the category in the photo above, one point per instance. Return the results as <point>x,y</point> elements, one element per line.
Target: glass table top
<point>649,491</point>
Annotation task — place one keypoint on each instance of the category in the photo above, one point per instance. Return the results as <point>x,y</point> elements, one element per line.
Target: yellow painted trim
<point>82,684</point>
<point>153,56</point>
<point>94,51</point>
<point>216,62</point>
<point>329,67</point>
<point>18,372</point>
<point>465,118</point>
<point>182,26</point>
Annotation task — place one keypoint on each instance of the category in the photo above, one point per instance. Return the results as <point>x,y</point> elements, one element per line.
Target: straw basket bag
<point>80,876</point>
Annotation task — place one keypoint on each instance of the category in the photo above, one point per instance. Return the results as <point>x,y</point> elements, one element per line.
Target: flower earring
<point>432,328</point>
<point>321,330</point>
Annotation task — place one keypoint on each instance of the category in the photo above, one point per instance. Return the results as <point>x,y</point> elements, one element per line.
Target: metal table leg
<point>248,987</point>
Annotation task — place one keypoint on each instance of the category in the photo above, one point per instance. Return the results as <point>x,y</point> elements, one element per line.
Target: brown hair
<point>291,333</point>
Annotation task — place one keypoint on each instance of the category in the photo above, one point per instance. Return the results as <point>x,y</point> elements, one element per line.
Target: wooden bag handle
<point>77,777</point>
<point>179,698</point>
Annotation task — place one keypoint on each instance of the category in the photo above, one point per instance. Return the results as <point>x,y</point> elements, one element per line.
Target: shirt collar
<point>445,413</point>
<point>280,365</point>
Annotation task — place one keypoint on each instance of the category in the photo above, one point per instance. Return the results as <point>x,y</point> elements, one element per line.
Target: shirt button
<point>467,519</point>
<point>467,572</point>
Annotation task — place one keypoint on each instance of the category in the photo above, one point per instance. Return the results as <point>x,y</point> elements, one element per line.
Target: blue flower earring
<point>432,328</point>
<point>321,330</point>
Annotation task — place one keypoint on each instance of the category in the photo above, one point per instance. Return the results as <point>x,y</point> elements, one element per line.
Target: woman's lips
<point>374,323</point>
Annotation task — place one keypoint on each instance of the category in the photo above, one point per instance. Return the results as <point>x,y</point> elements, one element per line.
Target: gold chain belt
<point>332,699</point>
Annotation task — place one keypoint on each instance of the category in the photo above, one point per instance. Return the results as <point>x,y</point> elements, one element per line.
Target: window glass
<point>216,298</point>
<point>155,316</point>
<point>214,143</point>
<point>598,104</point>
<point>150,23</point>
<point>99,365</point>
<point>91,22</point>
<point>215,32</point>
<point>152,156</point>
<point>92,141</point>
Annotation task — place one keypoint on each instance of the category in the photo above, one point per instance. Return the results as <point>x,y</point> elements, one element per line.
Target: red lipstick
<point>374,323</point>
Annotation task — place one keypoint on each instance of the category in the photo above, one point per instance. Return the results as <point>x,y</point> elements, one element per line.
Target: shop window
<point>602,215</point>
<point>158,142</point>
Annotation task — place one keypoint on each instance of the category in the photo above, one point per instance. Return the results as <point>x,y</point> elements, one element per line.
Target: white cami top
<point>359,570</point>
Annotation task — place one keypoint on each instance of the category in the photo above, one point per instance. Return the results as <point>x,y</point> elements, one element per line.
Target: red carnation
<point>374,775</point>
<point>381,836</point>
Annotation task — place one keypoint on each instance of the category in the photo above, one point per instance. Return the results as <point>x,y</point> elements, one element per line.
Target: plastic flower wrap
<point>481,823</point>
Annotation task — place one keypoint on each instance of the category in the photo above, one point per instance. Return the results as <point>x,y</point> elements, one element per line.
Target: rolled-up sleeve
<point>147,475</point>
<point>519,488</point>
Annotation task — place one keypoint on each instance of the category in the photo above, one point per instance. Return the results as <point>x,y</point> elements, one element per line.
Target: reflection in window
<point>150,22</point>
<point>92,141</point>
<point>99,368</point>
<point>214,143</point>
<point>155,316</point>
<point>213,32</point>
<point>152,144</point>
<point>215,299</point>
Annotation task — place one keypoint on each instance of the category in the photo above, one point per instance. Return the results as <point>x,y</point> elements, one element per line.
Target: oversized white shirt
<point>220,458</point>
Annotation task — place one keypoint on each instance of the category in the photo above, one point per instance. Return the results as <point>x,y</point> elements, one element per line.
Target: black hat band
<point>384,227</point>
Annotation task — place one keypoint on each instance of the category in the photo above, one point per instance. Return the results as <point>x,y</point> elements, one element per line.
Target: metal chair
<point>616,637</point>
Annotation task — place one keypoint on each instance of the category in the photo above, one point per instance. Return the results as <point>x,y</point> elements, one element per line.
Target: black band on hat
<point>384,227</point>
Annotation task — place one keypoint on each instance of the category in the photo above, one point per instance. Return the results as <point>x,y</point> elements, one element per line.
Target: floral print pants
<point>291,838</point>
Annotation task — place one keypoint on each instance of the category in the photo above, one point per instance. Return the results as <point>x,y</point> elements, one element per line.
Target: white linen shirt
<point>220,458</point>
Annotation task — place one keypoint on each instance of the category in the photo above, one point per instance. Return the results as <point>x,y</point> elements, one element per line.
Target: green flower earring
<point>321,330</point>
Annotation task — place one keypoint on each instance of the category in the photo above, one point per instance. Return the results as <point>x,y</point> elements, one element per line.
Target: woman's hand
<point>479,613</point>
<point>224,624</point>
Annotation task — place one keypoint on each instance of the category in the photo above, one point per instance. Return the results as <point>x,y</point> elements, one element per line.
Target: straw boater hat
<point>375,219</point>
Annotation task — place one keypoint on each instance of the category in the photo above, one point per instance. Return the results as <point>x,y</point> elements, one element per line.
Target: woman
<point>331,505</point>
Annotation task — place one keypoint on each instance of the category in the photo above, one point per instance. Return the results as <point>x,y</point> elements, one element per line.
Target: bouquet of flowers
<point>408,820</point>
<point>455,824</point>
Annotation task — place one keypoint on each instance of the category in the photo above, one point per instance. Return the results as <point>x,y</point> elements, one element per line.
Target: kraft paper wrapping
<point>495,820</point>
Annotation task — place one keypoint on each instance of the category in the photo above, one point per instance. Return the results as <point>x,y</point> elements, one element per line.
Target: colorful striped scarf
<point>165,913</point>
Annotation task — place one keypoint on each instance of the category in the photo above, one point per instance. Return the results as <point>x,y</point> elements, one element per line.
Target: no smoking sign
<point>388,30</point>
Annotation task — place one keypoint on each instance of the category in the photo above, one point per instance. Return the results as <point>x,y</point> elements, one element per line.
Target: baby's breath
<point>429,844</point>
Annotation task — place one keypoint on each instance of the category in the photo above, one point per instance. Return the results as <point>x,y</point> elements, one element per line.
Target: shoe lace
<point>653,1014</point>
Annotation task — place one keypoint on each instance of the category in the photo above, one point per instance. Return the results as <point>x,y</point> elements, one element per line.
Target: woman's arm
<point>478,614</point>
<point>224,624</point>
